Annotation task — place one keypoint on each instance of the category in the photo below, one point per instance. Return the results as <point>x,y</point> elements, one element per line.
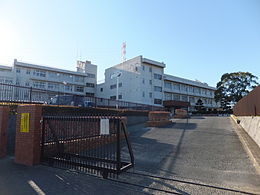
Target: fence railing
<point>23,94</point>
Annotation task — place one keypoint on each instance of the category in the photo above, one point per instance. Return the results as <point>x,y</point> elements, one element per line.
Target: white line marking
<point>36,188</point>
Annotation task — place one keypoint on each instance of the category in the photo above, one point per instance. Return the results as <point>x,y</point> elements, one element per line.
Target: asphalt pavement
<point>200,155</point>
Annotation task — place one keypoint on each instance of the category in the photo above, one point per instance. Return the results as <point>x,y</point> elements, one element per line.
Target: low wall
<point>251,124</point>
<point>133,120</point>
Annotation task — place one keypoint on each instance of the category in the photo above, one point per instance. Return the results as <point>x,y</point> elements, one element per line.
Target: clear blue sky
<point>197,39</point>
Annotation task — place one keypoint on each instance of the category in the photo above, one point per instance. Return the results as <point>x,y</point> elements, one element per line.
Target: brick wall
<point>158,119</point>
<point>4,116</point>
<point>27,144</point>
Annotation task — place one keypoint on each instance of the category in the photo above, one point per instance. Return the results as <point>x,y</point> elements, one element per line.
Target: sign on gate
<point>25,122</point>
<point>104,126</point>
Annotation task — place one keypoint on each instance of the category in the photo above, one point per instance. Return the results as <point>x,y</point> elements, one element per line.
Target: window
<point>150,81</point>
<point>53,74</point>
<point>28,71</point>
<point>18,70</point>
<point>184,98</point>
<point>176,97</point>
<point>157,88</point>
<point>119,84</point>
<point>143,67</point>
<point>150,69</point>
<point>176,86</point>
<point>68,88</point>
<point>90,94</point>
<point>92,85</point>
<point>79,88</point>
<point>67,77</point>
<point>150,95</point>
<point>89,75</point>
<point>53,86</point>
<point>184,87</point>
<point>101,89</point>
<point>157,76</point>
<point>157,101</point>
<point>167,85</point>
<point>168,96</point>
<point>136,69</point>
<point>192,100</point>
<point>27,84</point>
<point>143,81</point>
<point>17,83</point>
<point>113,86</point>
<point>143,94</point>
<point>190,89</point>
<point>120,97</point>
<point>39,73</point>
<point>113,97</point>
<point>8,81</point>
<point>39,84</point>
<point>79,79</point>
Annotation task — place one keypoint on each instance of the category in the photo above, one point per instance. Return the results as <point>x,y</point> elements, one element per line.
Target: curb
<point>242,134</point>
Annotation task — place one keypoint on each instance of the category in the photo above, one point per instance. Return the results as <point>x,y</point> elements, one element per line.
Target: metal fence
<point>249,105</point>
<point>21,94</point>
<point>93,144</point>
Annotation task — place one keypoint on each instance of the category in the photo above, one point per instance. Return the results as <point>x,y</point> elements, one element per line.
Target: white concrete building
<point>143,81</point>
<point>80,82</point>
<point>180,89</point>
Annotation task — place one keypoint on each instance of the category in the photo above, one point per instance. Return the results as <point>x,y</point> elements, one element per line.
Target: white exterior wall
<point>6,75</point>
<point>135,81</point>
<point>193,90</point>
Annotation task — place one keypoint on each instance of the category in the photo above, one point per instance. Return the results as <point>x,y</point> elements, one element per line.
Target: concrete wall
<point>132,120</point>
<point>251,125</point>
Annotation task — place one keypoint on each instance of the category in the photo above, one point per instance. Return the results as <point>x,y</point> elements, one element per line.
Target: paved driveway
<point>201,150</point>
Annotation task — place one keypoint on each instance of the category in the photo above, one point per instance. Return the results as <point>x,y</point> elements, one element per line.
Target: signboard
<point>25,122</point>
<point>104,126</point>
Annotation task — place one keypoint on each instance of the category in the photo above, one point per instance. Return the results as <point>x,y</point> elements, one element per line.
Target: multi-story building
<point>180,89</point>
<point>80,82</point>
<point>143,81</point>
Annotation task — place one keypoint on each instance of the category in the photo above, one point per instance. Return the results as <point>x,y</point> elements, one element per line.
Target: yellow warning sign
<point>25,122</point>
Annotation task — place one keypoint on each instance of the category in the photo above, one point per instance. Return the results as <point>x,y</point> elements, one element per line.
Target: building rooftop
<point>187,81</point>
<point>155,63</point>
<point>5,67</point>
<point>29,65</point>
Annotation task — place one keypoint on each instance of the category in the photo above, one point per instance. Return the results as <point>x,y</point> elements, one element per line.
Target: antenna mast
<point>123,52</point>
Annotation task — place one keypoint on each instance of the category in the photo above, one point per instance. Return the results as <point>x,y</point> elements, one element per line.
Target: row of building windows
<point>56,75</point>
<point>191,99</point>
<point>187,88</point>
<point>55,86</point>
<point>114,86</point>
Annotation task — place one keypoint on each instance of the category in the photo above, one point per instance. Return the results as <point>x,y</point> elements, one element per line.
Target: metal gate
<point>93,144</point>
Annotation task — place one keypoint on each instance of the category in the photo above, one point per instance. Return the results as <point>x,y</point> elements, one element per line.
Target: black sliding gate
<point>94,144</point>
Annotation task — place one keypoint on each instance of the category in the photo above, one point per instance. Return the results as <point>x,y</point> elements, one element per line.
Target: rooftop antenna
<point>123,52</point>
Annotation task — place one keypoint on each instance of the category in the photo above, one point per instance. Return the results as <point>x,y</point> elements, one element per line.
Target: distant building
<point>143,81</point>
<point>184,90</point>
<point>80,82</point>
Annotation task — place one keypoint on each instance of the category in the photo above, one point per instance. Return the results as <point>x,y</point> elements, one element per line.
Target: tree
<point>199,105</point>
<point>234,86</point>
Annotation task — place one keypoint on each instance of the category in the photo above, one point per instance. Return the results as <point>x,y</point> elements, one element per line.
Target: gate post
<point>28,135</point>
<point>4,117</point>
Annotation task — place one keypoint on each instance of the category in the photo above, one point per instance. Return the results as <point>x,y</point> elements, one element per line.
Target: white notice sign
<point>104,126</point>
